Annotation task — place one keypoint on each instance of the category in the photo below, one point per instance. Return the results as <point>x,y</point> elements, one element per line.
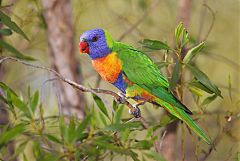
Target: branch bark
<point>58,17</point>
<point>120,98</point>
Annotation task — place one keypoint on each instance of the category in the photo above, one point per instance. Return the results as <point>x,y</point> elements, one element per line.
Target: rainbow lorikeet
<point>134,74</point>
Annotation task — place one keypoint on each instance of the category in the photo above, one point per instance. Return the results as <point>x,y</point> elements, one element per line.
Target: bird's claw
<point>121,99</point>
<point>135,112</point>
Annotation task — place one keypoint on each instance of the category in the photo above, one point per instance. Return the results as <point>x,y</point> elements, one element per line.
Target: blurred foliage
<point>104,133</point>
<point>63,137</point>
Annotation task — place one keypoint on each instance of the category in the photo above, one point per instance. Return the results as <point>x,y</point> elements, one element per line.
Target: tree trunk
<point>184,12</point>
<point>60,34</point>
<point>169,144</point>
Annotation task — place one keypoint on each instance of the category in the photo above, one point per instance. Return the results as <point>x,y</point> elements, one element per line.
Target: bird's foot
<point>135,111</point>
<point>121,99</point>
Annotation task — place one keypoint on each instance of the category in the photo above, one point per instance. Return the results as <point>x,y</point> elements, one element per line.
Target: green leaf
<point>154,44</point>
<point>82,126</point>
<point>203,78</point>
<point>193,52</point>
<point>162,64</point>
<point>103,118</point>
<point>34,101</point>
<point>154,155</point>
<point>144,144</point>
<point>12,25</point>
<point>118,114</point>
<point>134,155</point>
<point>21,105</point>
<point>175,76</point>
<point>3,99</point>
<point>185,38</point>
<point>63,128</point>
<point>106,145</point>
<point>8,100</point>
<point>5,32</point>
<point>209,99</point>
<point>71,131</point>
<point>123,126</point>
<point>115,105</point>
<point>178,31</point>
<point>150,132</point>
<point>14,51</point>
<point>53,138</point>
<point>11,134</point>
<point>101,105</point>
<point>199,85</point>
<point>195,91</point>
<point>7,88</point>
<point>124,135</point>
<point>19,149</point>
<point>49,157</point>
<point>36,149</point>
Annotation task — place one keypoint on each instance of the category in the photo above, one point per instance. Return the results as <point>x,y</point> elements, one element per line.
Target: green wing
<point>141,70</point>
<point>139,67</point>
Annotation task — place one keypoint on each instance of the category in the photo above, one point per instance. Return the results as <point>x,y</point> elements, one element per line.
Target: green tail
<point>179,113</point>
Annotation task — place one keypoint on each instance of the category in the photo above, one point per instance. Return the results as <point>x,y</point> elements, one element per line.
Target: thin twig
<point>162,138</point>
<point>85,158</point>
<point>212,23</point>
<point>72,83</point>
<point>182,142</point>
<point>57,93</point>
<point>140,20</point>
<point>201,22</point>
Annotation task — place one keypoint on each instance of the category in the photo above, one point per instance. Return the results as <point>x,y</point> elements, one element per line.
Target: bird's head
<point>96,42</point>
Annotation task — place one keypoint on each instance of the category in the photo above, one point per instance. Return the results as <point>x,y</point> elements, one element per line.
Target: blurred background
<point>54,27</point>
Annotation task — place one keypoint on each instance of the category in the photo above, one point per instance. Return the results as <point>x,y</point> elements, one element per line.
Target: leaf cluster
<point>184,57</point>
<point>98,136</point>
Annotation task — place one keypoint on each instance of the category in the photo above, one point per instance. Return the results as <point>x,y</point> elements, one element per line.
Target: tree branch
<point>77,86</point>
<point>120,98</point>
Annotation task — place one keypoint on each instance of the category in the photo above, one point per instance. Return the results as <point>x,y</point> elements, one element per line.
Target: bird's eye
<point>94,39</point>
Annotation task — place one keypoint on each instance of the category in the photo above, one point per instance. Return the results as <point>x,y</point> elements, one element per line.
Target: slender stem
<point>182,141</point>
<point>78,86</point>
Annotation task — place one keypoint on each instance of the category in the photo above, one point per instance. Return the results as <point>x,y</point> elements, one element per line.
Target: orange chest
<point>108,67</point>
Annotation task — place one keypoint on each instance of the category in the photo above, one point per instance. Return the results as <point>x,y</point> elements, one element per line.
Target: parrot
<point>134,74</point>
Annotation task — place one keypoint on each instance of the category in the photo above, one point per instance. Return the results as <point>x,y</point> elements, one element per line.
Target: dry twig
<point>119,98</point>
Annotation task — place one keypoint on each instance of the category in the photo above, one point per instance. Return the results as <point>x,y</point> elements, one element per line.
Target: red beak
<point>83,47</point>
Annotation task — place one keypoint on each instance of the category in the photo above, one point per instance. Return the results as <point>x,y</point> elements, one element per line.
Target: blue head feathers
<point>95,43</point>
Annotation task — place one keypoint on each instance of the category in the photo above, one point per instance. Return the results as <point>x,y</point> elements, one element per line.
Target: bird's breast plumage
<point>108,67</point>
